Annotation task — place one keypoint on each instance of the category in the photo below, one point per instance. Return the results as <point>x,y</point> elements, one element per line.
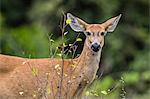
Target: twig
<point>62,55</point>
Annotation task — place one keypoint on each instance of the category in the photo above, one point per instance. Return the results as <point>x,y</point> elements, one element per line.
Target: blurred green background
<point>26,24</point>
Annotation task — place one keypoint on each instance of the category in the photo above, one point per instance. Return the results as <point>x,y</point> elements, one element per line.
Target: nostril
<point>98,46</point>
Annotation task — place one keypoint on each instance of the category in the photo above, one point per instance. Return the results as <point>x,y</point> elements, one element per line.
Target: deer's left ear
<point>111,24</point>
<point>76,24</point>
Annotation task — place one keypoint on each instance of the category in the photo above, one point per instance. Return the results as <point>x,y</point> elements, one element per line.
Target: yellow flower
<point>68,21</point>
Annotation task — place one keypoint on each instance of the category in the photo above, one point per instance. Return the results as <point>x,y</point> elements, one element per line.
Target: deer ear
<point>111,24</point>
<point>76,24</point>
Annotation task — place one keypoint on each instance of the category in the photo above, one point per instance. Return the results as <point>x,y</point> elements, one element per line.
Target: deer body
<point>22,78</point>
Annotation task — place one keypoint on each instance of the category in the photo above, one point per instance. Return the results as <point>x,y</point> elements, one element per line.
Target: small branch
<point>62,54</point>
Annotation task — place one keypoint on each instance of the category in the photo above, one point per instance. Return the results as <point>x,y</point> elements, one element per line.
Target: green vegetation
<point>26,24</point>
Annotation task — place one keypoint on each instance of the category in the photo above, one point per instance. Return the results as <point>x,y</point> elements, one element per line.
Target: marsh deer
<point>23,78</point>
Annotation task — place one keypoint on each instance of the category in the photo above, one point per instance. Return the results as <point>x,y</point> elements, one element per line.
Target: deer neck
<point>88,61</point>
<point>88,56</point>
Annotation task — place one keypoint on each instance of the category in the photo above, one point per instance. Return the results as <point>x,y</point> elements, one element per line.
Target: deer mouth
<point>95,50</point>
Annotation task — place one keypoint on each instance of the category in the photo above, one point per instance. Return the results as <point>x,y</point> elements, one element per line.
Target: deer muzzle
<point>95,47</point>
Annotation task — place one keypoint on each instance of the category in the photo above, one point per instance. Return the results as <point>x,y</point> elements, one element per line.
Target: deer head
<point>95,33</point>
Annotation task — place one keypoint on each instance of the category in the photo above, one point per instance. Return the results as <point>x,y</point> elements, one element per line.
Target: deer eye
<point>102,33</point>
<point>88,33</point>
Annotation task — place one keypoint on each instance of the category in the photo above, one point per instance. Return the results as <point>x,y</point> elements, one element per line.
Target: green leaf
<point>87,93</point>
<point>70,44</point>
<point>78,39</point>
<point>95,94</point>
<point>66,33</point>
<point>64,45</point>
<point>104,92</point>
<point>35,71</point>
<point>48,91</point>
<point>59,54</point>
<point>51,40</point>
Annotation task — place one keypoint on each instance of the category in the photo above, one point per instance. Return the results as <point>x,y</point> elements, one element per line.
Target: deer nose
<point>95,47</point>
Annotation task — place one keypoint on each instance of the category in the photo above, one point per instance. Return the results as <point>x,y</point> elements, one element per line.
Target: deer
<point>26,78</point>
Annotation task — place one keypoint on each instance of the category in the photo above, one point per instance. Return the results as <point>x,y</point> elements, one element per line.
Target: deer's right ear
<point>76,24</point>
<point>111,24</point>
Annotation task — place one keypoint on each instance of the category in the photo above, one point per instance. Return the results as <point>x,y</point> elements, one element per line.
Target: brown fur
<point>22,78</point>
<point>16,76</point>
<point>18,81</point>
